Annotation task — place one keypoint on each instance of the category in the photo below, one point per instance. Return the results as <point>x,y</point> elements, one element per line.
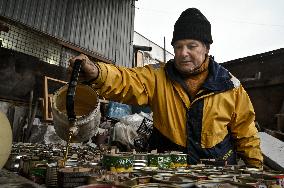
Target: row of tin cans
<point>192,176</point>
<point>127,162</point>
<point>135,170</point>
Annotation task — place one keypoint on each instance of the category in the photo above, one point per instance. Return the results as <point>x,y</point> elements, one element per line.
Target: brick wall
<point>66,54</point>
<point>37,45</point>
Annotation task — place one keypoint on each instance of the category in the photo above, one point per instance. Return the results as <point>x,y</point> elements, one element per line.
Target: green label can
<point>118,163</point>
<point>179,160</point>
<point>160,160</point>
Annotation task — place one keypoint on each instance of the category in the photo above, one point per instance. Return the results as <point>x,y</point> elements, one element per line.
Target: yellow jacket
<point>223,110</point>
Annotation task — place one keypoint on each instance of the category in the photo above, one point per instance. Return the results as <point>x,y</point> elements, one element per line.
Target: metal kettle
<point>76,106</point>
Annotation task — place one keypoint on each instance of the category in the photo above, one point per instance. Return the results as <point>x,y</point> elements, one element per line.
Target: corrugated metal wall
<point>103,26</point>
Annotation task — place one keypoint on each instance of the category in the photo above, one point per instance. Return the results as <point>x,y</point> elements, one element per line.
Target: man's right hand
<point>89,70</point>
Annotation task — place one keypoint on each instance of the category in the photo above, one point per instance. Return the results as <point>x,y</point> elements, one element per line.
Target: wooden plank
<point>47,98</point>
<point>277,80</point>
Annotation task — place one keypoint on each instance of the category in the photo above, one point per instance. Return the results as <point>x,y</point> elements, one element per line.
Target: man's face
<point>189,55</point>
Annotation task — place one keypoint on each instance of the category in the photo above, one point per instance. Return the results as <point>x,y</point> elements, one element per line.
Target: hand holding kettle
<point>75,106</point>
<point>89,70</point>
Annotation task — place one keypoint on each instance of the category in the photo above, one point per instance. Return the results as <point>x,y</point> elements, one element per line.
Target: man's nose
<point>184,51</point>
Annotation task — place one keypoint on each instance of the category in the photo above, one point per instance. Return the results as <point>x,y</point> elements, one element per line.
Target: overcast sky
<point>240,28</point>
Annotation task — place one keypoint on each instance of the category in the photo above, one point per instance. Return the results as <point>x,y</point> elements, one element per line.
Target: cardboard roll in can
<point>220,177</point>
<point>141,156</point>
<point>219,183</point>
<point>51,176</point>
<point>101,186</point>
<point>186,180</point>
<point>158,185</point>
<point>74,172</point>
<point>139,164</point>
<point>86,108</point>
<point>140,161</point>
<point>73,177</point>
<point>13,163</point>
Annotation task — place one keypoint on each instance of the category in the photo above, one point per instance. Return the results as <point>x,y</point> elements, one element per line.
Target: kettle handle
<point>71,91</point>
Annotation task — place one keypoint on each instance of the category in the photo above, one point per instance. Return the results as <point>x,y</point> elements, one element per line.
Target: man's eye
<point>191,46</point>
<point>178,47</point>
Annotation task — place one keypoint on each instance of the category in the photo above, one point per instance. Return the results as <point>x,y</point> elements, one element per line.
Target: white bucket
<point>86,108</point>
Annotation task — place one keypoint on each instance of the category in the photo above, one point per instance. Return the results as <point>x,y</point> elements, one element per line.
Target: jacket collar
<point>218,80</point>
<point>174,75</point>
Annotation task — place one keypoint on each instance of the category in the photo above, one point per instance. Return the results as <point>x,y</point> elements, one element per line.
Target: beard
<point>186,72</point>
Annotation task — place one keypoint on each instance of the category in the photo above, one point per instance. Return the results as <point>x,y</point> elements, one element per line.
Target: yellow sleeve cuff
<point>103,72</point>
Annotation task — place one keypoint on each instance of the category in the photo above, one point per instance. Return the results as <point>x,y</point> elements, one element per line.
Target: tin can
<point>13,162</point>
<point>279,179</point>
<point>38,174</point>
<point>141,156</point>
<point>160,160</point>
<point>182,180</point>
<point>118,163</point>
<point>139,164</point>
<point>179,160</point>
<point>221,177</point>
<point>100,186</point>
<point>73,176</point>
<point>158,185</point>
<point>215,183</point>
<point>51,176</point>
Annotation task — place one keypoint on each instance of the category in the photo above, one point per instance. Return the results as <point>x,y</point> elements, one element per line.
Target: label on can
<point>179,160</point>
<point>160,160</point>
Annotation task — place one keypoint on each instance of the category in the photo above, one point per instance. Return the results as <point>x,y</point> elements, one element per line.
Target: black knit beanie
<point>192,24</point>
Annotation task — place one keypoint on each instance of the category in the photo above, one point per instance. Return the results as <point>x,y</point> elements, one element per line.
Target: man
<point>198,106</point>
